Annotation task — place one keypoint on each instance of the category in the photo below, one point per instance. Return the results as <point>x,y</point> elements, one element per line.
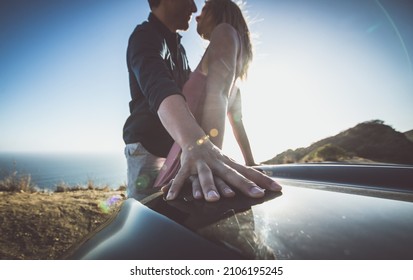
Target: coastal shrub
<point>331,152</point>
<point>17,183</point>
<point>328,152</point>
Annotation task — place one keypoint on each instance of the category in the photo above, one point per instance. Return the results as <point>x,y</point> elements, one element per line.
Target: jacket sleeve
<point>150,60</point>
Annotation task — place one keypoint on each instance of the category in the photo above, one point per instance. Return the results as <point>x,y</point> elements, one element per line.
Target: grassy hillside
<point>367,141</point>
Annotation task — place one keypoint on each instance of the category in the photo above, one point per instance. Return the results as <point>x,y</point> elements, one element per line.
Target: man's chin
<point>183,27</point>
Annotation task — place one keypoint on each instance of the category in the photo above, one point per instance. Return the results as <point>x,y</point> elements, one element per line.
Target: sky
<point>320,67</point>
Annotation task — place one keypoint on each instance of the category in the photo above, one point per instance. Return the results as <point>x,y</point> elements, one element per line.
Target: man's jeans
<point>143,168</point>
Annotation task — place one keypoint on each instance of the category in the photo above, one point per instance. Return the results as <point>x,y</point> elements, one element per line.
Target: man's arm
<point>179,121</point>
<point>201,157</point>
<point>146,55</point>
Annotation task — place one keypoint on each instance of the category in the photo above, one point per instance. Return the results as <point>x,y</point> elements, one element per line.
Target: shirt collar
<point>164,30</point>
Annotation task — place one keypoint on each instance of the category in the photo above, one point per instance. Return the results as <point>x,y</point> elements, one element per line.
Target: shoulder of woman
<point>224,31</point>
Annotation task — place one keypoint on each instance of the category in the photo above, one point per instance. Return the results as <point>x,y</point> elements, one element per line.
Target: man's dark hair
<point>154,3</point>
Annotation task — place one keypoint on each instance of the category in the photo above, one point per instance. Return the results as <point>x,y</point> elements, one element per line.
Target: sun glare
<point>314,77</point>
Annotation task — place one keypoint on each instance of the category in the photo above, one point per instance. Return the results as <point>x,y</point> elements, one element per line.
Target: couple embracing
<point>177,116</point>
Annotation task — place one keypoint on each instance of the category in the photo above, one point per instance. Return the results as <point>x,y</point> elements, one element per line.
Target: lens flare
<point>396,30</point>
<point>214,132</point>
<point>105,206</point>
<point>142,182</point>
<point>202,140</point>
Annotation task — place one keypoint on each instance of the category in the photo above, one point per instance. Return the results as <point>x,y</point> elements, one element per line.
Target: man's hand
<point>212,173</point>
<point>201,158</point>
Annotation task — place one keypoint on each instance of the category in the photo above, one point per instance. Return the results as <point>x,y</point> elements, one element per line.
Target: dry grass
<point>44,225</point>
<point>17,183</point>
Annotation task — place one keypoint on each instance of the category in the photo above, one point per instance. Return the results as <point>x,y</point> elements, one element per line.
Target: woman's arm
<point>235,119</point>
<point>220,60</point>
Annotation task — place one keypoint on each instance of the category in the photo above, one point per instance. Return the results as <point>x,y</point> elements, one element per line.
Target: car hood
<point>313,218</point>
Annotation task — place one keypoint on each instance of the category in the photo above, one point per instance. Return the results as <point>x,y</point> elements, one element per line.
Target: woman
<point>210,92</point>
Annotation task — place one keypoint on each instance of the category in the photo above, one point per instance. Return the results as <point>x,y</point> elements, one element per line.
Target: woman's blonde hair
<point>226,11</point>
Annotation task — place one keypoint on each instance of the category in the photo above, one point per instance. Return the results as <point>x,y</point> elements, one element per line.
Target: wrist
<point>197,143</point>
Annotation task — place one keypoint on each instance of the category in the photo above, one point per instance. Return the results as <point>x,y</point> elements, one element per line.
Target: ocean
<point>49,170</point>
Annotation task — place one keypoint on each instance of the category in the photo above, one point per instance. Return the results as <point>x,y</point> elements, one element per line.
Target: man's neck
<point>161,16</point>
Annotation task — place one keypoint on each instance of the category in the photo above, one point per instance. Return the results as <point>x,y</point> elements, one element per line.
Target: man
<point>159,115</point>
